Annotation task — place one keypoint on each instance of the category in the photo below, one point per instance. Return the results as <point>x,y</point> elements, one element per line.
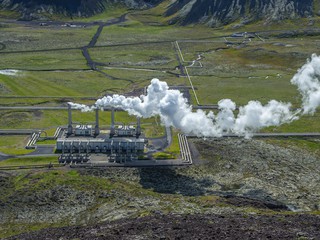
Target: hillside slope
<point>210,12</point>
<point>220,12</point>
<point>35,9</point>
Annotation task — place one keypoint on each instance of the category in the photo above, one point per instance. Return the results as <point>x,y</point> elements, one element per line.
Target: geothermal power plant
<point>120,144</point>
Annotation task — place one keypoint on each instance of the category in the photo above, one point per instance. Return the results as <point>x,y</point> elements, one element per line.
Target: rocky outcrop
<point>210,12</point>
<point>255,169</point>
<point>204,226</point>
<point>220,12</point>
<point>37,9</point>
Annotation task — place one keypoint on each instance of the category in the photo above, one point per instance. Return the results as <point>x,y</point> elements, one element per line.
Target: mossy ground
<point>28,161</point>
<point>113,194</point>
<point>13,145</point>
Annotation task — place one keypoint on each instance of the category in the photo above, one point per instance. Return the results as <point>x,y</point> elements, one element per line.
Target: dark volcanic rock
<point>192,227</point>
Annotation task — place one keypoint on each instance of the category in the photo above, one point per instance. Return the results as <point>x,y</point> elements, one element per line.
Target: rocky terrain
<point>192,227</point>
<point>220,12</point>
<point>259,170</point>
<point>238,184</point>
<point>210,12</point>
<point>40,9</point>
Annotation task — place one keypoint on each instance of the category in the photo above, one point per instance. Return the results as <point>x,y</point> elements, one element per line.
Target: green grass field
<point>242,90</point>
<point>50,60</point>
<point>256,70</point>
<point>155,56</point>
<point>111,12</point>
<point>25,38</point>
<point>137,32</point>
<point>59,84</point>
<point>28,161</point>
<point>14,145</point>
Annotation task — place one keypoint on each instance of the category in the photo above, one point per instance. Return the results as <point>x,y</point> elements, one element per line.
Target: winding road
<point>85,50</point>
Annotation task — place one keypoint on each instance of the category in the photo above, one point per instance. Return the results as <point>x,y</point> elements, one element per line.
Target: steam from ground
<point>9,72</point>
<point>174,111</point>
<point>307,81</point>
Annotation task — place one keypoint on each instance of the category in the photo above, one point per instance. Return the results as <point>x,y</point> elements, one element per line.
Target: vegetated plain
<point>20,37</point>
<point>241,69</point>
<point>147,55</point>
<point>14,145</point>
<point>130,55</point>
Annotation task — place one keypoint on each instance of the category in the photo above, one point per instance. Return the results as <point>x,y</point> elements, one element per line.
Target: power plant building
<point>83,130</point>
<point>120,145</point>
<point>100,145</point>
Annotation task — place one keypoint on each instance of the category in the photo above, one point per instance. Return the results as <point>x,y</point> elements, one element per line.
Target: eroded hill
<point>220,12</point>
<point>210,12</point>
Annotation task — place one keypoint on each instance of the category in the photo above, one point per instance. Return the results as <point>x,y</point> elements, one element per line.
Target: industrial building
<point>120,144</point>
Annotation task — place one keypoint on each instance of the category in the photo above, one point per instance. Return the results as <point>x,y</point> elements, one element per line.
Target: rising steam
<point>174,111</point>
<point>307,81</point>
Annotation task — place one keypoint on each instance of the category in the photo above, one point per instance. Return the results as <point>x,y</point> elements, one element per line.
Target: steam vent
<point>121,143</point>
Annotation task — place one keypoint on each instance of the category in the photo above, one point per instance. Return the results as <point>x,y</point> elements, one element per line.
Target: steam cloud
<point>174,111</point>
<point>9,72</point>
<point>307,81</point>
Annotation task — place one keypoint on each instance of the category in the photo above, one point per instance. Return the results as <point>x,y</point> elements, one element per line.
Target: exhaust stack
<point>138,130</point>
<point>112,130</point>
<point>70,129</point>
<point>96,128</point>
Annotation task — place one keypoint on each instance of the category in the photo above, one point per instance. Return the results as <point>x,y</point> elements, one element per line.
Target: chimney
<point>138,130</point>
<point>69,121</point>
<point>96,128</point>
<point>112,130</point>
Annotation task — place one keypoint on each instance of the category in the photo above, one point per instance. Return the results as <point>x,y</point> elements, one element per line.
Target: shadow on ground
<point>170,181</point>
<point>167,180</point>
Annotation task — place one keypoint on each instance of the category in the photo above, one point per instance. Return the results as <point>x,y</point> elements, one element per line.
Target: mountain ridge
<point>219,12</point>
<point>37,9</point>
<point>213,13</point>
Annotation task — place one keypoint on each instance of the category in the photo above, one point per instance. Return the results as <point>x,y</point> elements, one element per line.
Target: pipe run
<point>138,130</point>
<point>112,130</point>
<point>96,128</point>
<point>70,129</point>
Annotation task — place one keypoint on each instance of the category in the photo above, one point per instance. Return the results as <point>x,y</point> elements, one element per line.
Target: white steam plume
<point>9,72</point>
<point>307,81</point>
<point>174,111</point>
